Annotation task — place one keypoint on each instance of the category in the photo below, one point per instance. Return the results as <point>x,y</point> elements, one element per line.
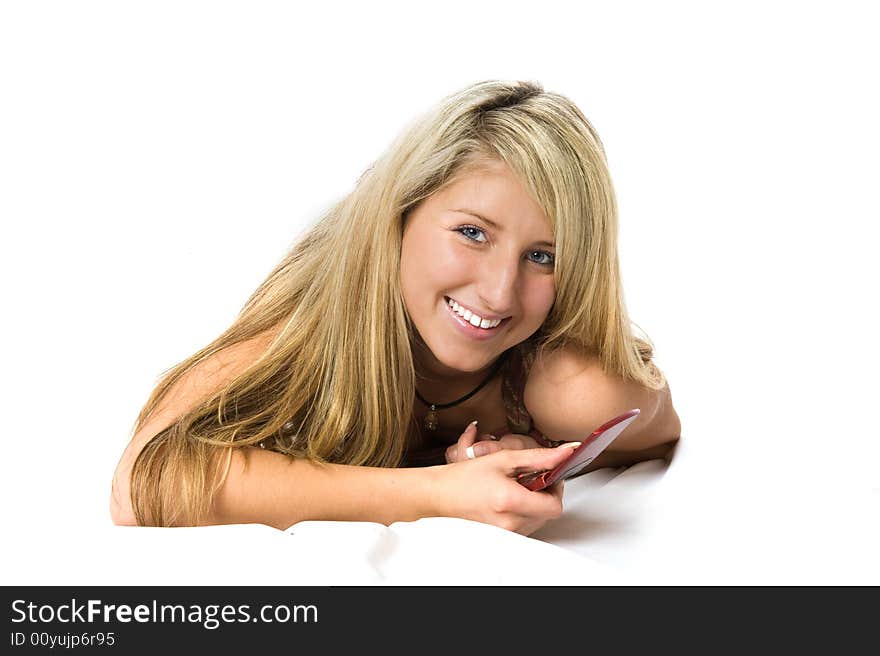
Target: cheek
<point>431,270</point>
<point>427,272</point>
<point>538,298</point>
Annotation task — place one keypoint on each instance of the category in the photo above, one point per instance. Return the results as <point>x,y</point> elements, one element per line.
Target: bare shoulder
<point>208,376</point>
<point>568,395</point>
<point>193,387</point>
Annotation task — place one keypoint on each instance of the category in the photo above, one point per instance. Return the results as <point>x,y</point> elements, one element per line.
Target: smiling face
<point>483,243</point>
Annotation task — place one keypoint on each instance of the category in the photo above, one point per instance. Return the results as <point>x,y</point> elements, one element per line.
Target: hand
<point>485,444</point>
<point>485,489</point>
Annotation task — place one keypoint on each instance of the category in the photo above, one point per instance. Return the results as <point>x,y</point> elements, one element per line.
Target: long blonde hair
<point>337,381</point>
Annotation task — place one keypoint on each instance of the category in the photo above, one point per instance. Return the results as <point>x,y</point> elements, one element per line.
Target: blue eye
<point>550,261</point>
<point>463,230</point>
<point>468,232</point>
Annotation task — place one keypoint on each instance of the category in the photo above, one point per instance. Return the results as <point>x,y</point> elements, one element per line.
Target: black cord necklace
<point>431,422</point>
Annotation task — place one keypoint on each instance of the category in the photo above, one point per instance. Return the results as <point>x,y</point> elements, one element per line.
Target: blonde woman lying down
<point>470,275</point>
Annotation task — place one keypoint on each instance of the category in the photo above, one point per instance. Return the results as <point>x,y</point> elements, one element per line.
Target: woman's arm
<point>198,383</point>
<point>569,396</point>
<point>266,487</point>
<point>271,488</point>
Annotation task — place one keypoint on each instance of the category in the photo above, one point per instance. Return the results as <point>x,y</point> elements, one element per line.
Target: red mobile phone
<point>590,447</point>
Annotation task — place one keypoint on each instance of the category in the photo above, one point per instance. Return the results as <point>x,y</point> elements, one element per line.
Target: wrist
<point>434,500</point>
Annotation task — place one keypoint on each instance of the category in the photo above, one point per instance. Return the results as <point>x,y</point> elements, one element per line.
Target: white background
<point>157,159</point>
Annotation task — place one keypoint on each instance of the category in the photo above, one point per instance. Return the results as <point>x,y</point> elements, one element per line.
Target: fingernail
<point>492,437</point>
<point>569,445</point>
<point>473,423</point>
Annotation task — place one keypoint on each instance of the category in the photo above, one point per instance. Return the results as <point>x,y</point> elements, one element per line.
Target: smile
<point>473,324</point>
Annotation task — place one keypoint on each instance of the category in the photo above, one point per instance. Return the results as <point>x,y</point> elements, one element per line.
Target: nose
<point>498,283</point>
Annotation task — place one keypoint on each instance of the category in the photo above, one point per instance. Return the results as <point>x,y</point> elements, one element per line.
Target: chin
<point>460,362</point>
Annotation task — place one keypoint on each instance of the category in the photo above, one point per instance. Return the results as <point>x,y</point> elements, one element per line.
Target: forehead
<point>491,189</point>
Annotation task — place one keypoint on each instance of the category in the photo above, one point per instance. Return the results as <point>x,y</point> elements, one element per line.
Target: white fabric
<point>430,551</point>
<point>645,524</point>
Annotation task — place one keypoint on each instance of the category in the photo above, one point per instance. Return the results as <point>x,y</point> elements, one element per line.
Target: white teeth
<point>472,318</point>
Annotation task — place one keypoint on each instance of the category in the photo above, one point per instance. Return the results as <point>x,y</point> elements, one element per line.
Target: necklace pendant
<point>431,422</point>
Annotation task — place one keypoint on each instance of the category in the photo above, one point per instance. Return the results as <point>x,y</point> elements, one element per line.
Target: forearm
<point>270,488</point>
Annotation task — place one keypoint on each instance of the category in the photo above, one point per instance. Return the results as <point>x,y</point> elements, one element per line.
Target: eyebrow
<point>496,226</point>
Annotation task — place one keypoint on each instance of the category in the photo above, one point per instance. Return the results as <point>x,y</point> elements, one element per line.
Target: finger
<point>468,437</point>
<point>541,459</point>
<point>541,505</point>
<point>531,524</point>
<point>483,448</point>
<point>557,490</point>
<point>513,441</point>
<point>458,451</point>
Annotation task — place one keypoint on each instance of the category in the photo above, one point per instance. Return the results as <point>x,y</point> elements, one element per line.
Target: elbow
<point>668,425</point>
<point>121,512</point>
<point>122,520</point>
<point>121,515</point>
<point>672,432</point>
<point>675,427</point>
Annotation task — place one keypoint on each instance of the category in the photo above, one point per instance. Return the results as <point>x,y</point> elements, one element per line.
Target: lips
<point>469,330</point>
<point>468,314</point>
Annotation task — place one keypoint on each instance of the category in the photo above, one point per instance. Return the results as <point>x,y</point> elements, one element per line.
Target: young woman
<point>470,275</point>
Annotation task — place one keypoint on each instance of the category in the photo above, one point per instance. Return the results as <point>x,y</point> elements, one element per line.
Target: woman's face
<point>485,244</point>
